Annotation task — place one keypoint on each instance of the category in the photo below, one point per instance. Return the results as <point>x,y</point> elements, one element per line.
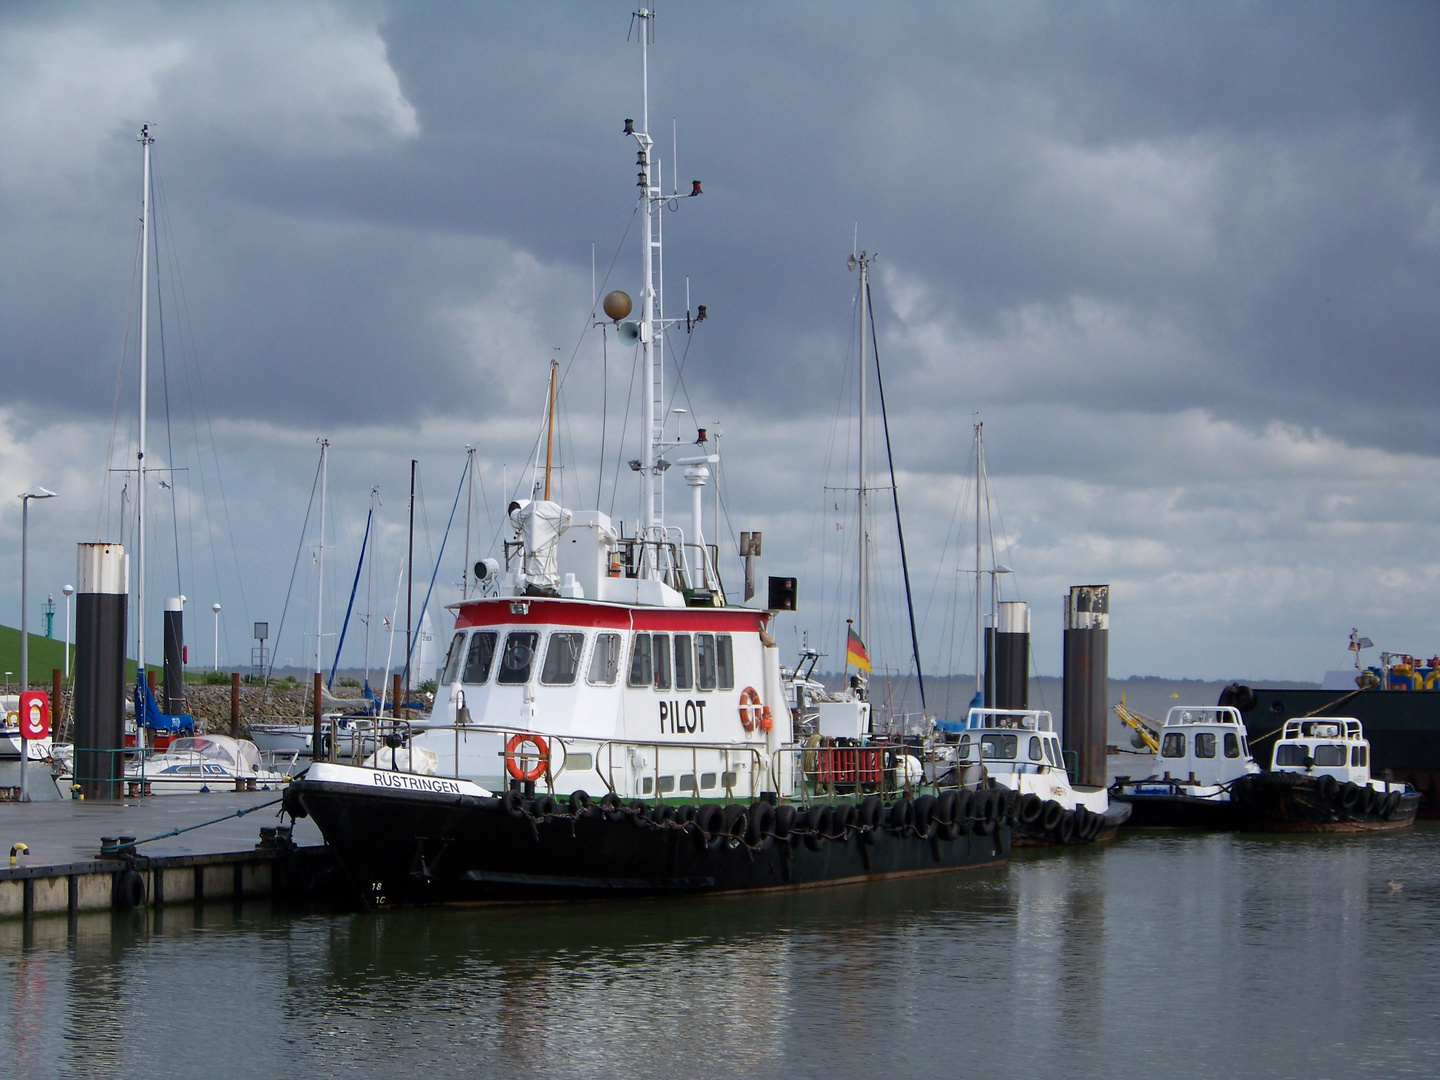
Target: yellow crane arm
<point>1146,728</point>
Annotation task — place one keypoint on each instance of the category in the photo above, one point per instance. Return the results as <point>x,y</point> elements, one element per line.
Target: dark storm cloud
<point>1163,246</point>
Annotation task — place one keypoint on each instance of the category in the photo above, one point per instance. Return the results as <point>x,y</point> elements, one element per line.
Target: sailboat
<point>1014,750</point>
<point>606,659</point>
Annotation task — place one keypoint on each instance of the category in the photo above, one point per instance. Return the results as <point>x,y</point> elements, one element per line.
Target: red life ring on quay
<point>751,711</point>
<point>515,758</point>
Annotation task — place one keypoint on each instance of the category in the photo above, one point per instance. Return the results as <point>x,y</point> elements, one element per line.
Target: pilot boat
<point>1319,781</point>
<point>1017,752</point>
<point>1203,753</point>
<point>610,661</point>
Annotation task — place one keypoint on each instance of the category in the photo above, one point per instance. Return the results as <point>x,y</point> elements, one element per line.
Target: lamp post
<point>69,591</point>
<point>216,609</point>
<point>25,497</point>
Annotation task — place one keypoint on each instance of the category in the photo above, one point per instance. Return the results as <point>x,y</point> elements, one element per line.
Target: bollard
<point>1010,643</point>
<point>1086,668</point>
<point>98,708</point>
<point>235,718</point>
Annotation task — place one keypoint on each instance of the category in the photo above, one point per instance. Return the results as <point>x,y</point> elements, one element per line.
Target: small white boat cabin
<point>1205,744</point>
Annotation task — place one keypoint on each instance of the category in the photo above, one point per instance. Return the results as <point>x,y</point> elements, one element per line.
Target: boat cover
<point>148,713</point>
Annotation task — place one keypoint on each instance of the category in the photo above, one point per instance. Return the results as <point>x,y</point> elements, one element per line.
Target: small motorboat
<point>1319,781</point>
<point>1203,753</point>
<point>201,764</point>
<point>353,736</point>
<point>1019,752</point>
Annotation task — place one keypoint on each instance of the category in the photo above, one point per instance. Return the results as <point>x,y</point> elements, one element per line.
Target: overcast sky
<point>1182,260</point>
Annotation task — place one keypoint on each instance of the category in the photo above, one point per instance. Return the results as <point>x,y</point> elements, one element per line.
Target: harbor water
<point>1157,954</point>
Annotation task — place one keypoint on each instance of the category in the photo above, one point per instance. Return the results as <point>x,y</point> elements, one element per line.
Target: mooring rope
<point>115,849</point>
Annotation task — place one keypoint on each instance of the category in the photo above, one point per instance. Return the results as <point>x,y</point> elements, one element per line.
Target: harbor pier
<point>68,858</point>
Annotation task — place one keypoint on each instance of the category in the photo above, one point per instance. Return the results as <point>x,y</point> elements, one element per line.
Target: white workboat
<point>1319,781</point>
<point>1020,755</point>
<point>1203,754</point>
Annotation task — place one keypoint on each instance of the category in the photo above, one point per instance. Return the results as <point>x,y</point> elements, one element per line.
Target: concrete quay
<point>64,871</point>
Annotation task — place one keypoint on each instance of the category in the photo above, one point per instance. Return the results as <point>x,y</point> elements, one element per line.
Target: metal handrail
<point>609,745</point>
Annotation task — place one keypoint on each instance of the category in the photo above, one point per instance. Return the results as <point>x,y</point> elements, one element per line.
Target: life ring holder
<point>513,759</point>
<point>752,713</point>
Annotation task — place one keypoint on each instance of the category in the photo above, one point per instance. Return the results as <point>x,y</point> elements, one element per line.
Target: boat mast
<point>320,554</point>
<point>469,513</point>
<point>146,140</point>
<point>979,613</point>
<point>652,525</point>
<point>863,607</point>
<point>549,447</point>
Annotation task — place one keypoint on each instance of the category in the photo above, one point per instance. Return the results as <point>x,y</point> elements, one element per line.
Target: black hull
<point>1403,727</point>
<point>409,848</point>
<point>1180,812</point>
<point>1035,835</point>
<point>1287,802</point>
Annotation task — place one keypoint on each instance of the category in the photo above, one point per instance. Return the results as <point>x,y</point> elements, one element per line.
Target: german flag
<point>855,650</point>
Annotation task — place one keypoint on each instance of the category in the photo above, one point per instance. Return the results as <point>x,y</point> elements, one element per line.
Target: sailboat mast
<point>146,140</point>
<point>320,555</point>
<point>549,446</point>
<point>650,347</point>
<point>979,612</point>
<point>863,606</point>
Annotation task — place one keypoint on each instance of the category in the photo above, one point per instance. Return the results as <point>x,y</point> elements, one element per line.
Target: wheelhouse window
<point>1329,755</point>
<point>453,658</point>
<point>1232,744</point>
<point>964,748</point>
<point>1205,744</point>
<point>1037,752</point>
<point>641,671</point>
<point>605,661</point>
<point>660,657</point>
<point>516,660</point>
<point>1173,745</point>
<point>725,661</point>
<point>684,662</point>
<point>1355,755</point>
<point>705,661</point>
<point>1290,754</point>
<point>1052,752</point>
<point>999,747</point>
<point>480,656</point>
<point>562,659</point>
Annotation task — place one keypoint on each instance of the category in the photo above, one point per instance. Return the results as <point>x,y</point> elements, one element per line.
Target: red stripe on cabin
<point>497,611</point>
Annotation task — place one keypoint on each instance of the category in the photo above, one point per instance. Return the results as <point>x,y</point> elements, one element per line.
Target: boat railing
<point>607,756</point>
<point>729,756</point>
<point>835,772</point>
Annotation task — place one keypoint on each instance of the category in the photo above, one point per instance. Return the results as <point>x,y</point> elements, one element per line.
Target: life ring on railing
<point>751,711</point>
<point>514,759</point>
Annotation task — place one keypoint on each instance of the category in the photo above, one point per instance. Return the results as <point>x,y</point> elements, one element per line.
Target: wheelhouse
<point>1324,746</point>
<point>1010,740</point>
<point>1205,742</point>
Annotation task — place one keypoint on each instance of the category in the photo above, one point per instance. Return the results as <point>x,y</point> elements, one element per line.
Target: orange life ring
<point>751,711</point>
<point>513,760</point>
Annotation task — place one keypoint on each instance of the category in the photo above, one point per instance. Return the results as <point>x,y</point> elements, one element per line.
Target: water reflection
<point>1196,955</point>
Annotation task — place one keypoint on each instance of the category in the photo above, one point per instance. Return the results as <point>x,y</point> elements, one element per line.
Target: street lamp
<point>33,493</point>
<point>69,591</point>
<point>216,609</point>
